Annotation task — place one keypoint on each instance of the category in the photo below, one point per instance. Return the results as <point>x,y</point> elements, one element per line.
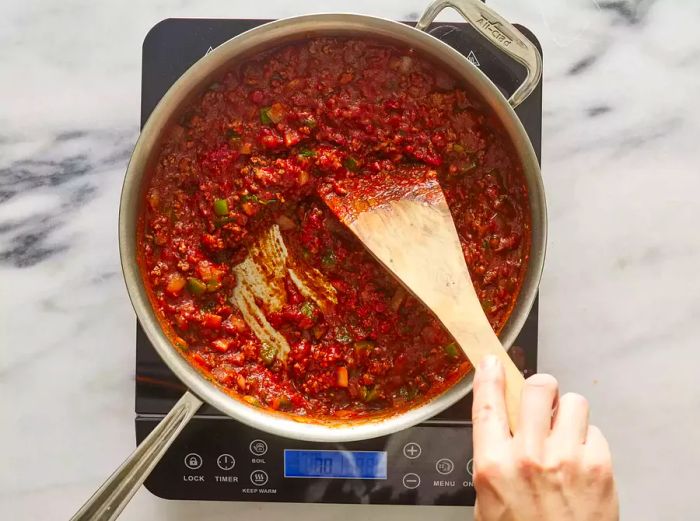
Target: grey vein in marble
<point>66,172</point>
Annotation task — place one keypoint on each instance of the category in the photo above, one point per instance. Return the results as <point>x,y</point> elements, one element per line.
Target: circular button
<point>412,450</point>
<point>445,466</point>
<point>258,447</point>
<point>411,480</point>
<point>470,467</point>
<point>193,461</point>
<point>258,478</point>
<point>226,462</point>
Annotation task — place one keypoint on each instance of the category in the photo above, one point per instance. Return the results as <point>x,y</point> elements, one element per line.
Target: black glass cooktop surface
<point>218,458</point>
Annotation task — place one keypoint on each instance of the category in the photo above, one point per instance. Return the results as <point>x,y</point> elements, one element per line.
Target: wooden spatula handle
<point>513,378</point>
<point>468,325</point>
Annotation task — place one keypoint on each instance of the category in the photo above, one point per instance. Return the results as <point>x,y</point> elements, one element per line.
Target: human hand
<point>555,468</point>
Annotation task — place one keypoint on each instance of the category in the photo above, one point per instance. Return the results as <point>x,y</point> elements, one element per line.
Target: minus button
<point>411,480</point>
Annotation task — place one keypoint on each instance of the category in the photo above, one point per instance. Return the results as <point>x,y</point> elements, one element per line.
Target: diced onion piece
<point>153,199</point>
<point>252,400</point>
<point>211,321</point>
<point>291,137</point>
<point>237,323</point>
<point>285,223</point>
<point>364,345</point>
<point>175,284</point>
<point>397,299</point>
<point>221,344</point>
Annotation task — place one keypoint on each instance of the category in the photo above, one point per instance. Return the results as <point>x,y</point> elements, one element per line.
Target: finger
<point>596,442</point>
<point>478,516</point>
<point>489,408</point>
<point>570,425</point>
<point>539,397</point>
<point>597,458</point>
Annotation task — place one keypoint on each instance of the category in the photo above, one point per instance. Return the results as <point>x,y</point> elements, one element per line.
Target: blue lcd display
<point>334,464</point>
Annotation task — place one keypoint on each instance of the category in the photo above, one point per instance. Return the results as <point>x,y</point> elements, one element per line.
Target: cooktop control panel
<point>215,459</point>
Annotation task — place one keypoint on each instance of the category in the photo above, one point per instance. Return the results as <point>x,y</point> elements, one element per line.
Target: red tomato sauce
<point>253,151</point>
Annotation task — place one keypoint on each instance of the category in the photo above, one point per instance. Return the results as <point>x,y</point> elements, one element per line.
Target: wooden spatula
<point>404,221</point>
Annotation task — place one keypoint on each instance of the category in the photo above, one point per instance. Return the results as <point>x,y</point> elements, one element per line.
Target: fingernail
<point>488,362</point>
<point>542,380</point>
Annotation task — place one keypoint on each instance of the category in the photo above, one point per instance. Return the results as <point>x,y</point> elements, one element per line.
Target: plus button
<point>412,450</point>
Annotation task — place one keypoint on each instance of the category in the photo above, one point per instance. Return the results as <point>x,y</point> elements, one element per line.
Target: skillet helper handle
<point>110,499</point>
<point>500,33</point>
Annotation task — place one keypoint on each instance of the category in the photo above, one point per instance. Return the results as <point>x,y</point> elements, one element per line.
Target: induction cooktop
<point>218,458</point>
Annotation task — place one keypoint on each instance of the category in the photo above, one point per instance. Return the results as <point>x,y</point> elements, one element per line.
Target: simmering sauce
<point>245,164</point>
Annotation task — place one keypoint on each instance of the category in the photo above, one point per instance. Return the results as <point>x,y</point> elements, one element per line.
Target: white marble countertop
<point>619,297</point>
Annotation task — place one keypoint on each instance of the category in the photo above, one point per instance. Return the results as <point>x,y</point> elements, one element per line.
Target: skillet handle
<point>110,499</point>
<point>499,32</point>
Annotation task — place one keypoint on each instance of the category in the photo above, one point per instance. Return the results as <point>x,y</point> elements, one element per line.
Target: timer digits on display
<point>335,464</point>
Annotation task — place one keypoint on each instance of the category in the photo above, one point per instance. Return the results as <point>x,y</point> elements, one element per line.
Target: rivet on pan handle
<point>499,32</point>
